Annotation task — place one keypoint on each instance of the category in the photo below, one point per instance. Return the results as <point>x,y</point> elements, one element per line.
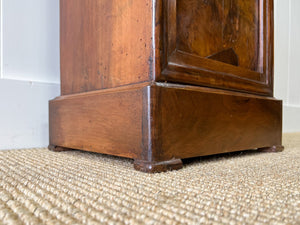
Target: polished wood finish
<point>159,124</point>
<point>159,81</point>
<point>107,121</point>
<point>194,30</point>
<point>206,28</point>
<point>203,122</point>
<point>99,39</point>
<point>228,56</point>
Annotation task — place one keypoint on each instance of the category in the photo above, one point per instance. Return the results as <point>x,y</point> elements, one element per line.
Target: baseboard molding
<point>24,113</point>
<point>291,118</point>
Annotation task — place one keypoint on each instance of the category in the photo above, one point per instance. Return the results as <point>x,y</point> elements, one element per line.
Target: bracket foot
<point>157,167</point>
<point>278,148</point>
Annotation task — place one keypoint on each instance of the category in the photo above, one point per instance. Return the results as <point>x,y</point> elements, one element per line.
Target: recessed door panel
<point>224,44</point>
<point>223,30</point>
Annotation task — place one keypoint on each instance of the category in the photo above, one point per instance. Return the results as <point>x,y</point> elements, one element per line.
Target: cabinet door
<point>224,44</point>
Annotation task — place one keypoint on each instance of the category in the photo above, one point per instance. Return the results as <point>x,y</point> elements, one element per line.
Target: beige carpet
<point>42,187</point>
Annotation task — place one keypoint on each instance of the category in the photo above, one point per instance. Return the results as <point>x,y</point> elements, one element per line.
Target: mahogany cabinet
<point>163,80</point>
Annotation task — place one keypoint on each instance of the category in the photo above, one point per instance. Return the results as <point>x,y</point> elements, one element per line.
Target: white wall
<point>29,71</point>
<point>287,61</point>
<point>24,113</point>
<point>31,40</point>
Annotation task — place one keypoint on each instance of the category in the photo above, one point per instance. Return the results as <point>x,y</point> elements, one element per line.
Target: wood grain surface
<point>160,124</point>
<point>210,27</point>
<point>104,44</point>
<point>225,44</point>
<point>102,121</point>
<point>193,122</point>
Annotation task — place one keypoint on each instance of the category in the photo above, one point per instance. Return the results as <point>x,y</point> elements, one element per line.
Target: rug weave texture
<point>38,186</point>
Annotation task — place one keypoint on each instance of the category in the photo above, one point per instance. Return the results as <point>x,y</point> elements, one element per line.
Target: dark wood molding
<point>186,67</point>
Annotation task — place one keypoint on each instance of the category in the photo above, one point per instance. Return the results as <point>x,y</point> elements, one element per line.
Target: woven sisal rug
<point>42,187</point>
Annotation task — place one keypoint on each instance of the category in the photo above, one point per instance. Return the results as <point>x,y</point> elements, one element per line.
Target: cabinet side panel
<point>105,44</point>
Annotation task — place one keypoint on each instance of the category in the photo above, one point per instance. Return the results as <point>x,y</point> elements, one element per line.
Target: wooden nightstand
<point>159,81</point>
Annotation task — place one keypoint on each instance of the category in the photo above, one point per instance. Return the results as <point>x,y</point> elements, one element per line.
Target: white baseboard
<point>24,113</point>
<point>291,118</point>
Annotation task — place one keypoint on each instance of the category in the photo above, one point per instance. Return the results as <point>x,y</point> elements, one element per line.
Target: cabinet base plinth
<point>160,124</point>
